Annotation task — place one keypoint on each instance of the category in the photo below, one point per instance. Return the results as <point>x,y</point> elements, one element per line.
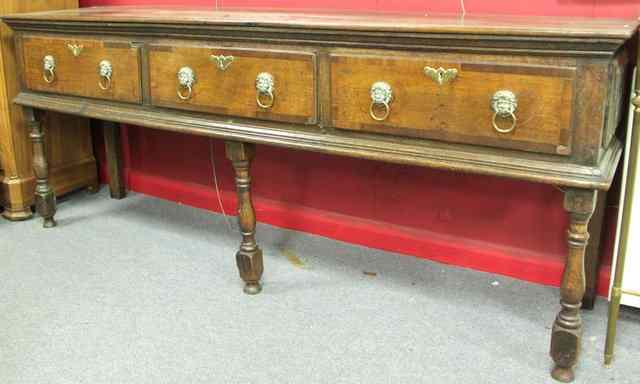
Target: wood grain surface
<point>80,75</point>
<point>233,91</point>
<point>460,110</point>
<point>343,20</point>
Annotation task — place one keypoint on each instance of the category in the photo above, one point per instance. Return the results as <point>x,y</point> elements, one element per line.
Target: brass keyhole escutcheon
<point>440,75</point>
<point>76,49</point>
<point>222,62</point>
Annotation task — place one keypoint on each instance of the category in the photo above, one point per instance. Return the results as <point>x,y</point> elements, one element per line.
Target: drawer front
<point>94,68</point>
<point>455,101</point>
<point>225,81</point>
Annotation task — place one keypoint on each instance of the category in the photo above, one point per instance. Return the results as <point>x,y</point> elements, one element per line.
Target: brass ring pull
<point>49,76</point>
<point>185,95</point>
<point>268,104</point>
<point>186,79</point>
<point>381,94</point>
<point>265,87</point>
<point>105,71</point>
<point>514,122</point>
<point>104,83</point>
<point>504,104</point>
<point>372,111</point>
<point>49,67</point>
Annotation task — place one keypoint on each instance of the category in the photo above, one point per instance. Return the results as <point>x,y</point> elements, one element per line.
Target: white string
<point>215,182</point>
<point>463,9</point>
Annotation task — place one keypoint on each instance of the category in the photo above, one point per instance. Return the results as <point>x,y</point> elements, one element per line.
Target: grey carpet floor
<point>146,291</point>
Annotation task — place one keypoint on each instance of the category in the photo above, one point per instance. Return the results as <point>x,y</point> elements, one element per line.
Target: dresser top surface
<point>505,25</point>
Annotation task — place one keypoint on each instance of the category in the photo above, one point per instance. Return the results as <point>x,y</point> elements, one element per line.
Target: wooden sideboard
<point>538,99</point>
<point>71,157</point>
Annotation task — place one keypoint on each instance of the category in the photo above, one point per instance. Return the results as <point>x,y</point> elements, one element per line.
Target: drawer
<point>74,66</point>
<point>235,81</point>
<point>507,104</point>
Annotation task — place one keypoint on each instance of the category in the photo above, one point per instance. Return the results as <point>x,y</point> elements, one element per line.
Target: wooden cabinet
<point>537,99</point>
<point>70,156</point>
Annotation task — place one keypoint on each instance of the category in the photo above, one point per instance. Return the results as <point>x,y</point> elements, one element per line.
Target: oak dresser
<point>538,99</point>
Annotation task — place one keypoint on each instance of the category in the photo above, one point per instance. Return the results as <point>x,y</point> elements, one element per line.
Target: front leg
<point>567,329</point>
<point>44,196</point>
<point>249,257</point>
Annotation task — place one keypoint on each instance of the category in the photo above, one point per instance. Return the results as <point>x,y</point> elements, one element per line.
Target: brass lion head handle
<point>381,97</point>
<point>504,104</point>
<point>49,69</point>
<point>186,80</point>
<point>105,70</point>
<point>265,87</point>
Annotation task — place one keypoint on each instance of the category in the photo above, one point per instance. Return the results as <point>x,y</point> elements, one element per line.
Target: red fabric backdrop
<point>491,224</point>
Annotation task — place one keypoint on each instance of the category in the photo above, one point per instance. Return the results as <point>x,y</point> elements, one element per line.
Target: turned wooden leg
<point>113,150</point>
<point>249,257</point>
<point>567,328</point>
<point>44,196</point>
